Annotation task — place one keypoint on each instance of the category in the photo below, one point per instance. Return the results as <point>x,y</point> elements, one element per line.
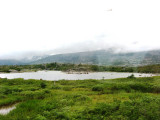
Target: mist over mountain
<point>105,57</point>
<point>98,57</point>
<point>152,57</point>
<point>27,35</point>
<point>11,62</point>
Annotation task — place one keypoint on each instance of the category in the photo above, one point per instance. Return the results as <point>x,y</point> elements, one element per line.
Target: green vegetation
<point>118,99</point>
<point>79,67</point>
<point>149,69</point>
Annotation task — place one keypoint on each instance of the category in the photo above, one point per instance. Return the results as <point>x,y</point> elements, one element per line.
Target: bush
<point>143,87</point>
<point>17,90</point>
<point>98,88</point>
<point>7,91</point>
<point>43,85</point>
<point>156,89</point>
<point>47,91</point>
<point>117,87</point>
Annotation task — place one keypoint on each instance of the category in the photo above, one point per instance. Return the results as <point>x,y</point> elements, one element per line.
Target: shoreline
<point>61,75</point>
<point>74,72</point>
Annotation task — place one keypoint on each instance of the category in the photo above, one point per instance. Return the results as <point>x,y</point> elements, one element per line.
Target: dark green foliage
<point>43,85</point>
<point>7,91</point>
<point>94,68</point>
<point>156,89</point>
<point>5,69</point>
<point>98,88</point>
<point>149,69</point>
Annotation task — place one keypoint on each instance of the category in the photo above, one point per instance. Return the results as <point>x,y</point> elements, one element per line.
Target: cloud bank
<point>38,27</point>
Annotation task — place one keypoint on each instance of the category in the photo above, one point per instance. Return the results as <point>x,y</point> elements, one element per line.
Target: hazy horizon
<point>32,54</point>
<point>36,27</point>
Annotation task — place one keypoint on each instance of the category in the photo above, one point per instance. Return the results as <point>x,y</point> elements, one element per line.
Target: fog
<point>78,47</point>
<point>36,27</point>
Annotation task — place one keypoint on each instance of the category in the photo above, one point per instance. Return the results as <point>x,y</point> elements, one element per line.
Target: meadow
<point>116,99</point>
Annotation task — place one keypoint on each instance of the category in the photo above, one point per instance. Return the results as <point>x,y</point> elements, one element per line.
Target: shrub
<point>143,87</point>
<point>33,89</point>
<point>98,88</point>
<point>43,85</point>
<point>118,87</point>
<point>156,89</point>
<point>47,91</point>
<point>17,90</point>
<point>7,91</point>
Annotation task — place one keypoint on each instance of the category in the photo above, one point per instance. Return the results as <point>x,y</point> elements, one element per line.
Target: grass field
<point>117,99</point>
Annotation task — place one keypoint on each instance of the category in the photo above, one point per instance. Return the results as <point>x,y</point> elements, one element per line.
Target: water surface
<point>58,75</point>
<point>6,110</point>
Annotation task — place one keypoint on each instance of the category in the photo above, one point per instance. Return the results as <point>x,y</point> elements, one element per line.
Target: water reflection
<point>58,75</point>
<point>6,110</point>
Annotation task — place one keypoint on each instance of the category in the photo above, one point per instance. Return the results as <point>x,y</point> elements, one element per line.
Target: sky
<point>38,27</point>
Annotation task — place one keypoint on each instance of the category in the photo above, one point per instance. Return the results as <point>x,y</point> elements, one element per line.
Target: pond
<point>58,75</point>
<point>7,109</point>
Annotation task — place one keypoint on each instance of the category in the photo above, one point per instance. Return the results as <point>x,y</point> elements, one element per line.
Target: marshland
<point>123,98</point>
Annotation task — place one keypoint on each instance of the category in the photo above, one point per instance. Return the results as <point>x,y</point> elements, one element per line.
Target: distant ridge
<point>99,57</point>
<point>152,57</point>
<point>11,62</point>
<point>103,57</point>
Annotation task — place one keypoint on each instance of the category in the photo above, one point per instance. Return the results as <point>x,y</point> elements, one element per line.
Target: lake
<point>58,75</point>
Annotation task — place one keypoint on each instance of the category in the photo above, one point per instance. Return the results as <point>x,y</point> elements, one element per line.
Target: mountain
<point>80,57</point>
<point>33,58</point>
<point>99,57</point>
<point>22,61</point>
<point>11,62</point>
<point>152,57</point>
<point>103,57</point>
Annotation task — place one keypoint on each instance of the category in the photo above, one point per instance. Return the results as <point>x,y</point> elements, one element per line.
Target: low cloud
<point>91,45</point>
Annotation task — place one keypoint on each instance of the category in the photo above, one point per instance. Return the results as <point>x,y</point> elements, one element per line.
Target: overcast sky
<point>60,26</point>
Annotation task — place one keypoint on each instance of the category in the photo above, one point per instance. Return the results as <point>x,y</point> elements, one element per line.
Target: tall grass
<point>124,98</point>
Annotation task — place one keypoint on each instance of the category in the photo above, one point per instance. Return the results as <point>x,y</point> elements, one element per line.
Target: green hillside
<point>101,57</point>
